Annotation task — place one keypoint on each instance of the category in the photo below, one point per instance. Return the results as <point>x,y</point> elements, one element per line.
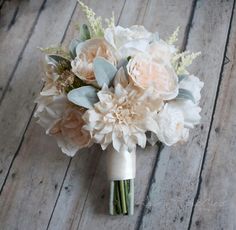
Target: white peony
<point>122,116</point>
<point>161,51</point>
<point>128,41</point>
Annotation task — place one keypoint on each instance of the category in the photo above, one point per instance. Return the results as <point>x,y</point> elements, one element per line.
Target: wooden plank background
<point>182,187</point>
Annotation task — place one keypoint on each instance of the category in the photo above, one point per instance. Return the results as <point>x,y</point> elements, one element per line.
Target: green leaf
<point>182,77</point>
<point>85,96</point>
<point>185,94</point>
<point>84,33</point>
<point>57,59</point>
<point>104,71</point>
<point>72,47</point>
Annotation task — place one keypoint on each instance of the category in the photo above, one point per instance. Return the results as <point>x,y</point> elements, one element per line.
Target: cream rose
<point>82,65</point>
<point>146,72</point>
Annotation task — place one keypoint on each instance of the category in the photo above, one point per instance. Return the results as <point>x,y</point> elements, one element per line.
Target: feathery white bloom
<point>122,116</point>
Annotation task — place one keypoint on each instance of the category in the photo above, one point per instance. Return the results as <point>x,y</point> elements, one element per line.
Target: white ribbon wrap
<point>120,165</point>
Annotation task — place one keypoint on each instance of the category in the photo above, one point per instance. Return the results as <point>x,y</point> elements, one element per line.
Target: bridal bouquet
<point>118,87</point>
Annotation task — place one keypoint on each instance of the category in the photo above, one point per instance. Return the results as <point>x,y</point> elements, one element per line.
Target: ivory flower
<point>194,85</point>
<point>82,65</point>
<point>171,127</point>
<point>122,116</point>
<point>145,72</point>
<point>128,41</point>
<point>161,51</point>
<point>69,132</point>
<point>62,121</point>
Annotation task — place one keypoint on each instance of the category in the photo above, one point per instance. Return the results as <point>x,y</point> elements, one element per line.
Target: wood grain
<point>215,207</point>
<point>175,182</point>
<point>17,21</point>
<point>95,210</point>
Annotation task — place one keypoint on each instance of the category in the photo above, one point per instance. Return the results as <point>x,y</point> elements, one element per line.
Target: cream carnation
<point>171,127</point>
<point>145,72</point>
<point>122,116</point>
<point>82,65</point>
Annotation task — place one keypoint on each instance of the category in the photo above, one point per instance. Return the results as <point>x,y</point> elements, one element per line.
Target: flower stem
<point>121,197</point>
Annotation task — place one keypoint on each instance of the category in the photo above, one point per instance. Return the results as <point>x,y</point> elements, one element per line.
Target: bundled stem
<point>122,197</point>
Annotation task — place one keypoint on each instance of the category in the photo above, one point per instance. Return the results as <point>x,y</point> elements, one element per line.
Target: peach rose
<point>146,71</point>
<point>69,132</point>
<point>82,65</point>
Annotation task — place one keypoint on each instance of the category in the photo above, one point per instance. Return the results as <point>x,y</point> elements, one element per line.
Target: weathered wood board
<point>18,103</point>
<point>216,204</point>
<point>177,176</point>
<point>17,22</point>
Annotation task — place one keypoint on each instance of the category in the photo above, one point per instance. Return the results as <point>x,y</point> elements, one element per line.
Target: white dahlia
<point>122,116</point>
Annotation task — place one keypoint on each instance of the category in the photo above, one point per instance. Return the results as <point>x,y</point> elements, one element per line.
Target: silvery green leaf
<point>155,37</point>
<point>181,77</point>
<point>85,96</point>
<point>104,71</point>
<point>58,59</point>
<point>72,48</point>
<point>185,94</point>
<point>84,33</point>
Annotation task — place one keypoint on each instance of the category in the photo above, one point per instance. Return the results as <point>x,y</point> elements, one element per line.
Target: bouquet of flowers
<point>118,87</point>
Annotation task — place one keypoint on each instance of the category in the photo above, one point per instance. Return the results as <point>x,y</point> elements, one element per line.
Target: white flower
<point>171,125</point>
<point>161,51</point>
<point>62,121</point>
<point>146,71</point>
<point>190,111</point>
<point>82,65</point>
<point>128,41</point>
<point>69,131</point>
<point>122,117</point>
<point>194,85</point>
<point>50,109</point>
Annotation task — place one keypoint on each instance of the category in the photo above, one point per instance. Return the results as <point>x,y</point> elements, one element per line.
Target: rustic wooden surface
<point>185,187</point>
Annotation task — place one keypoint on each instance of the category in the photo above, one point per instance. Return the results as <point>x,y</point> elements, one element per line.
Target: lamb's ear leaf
<point>104,71</point>
<point>182,77</point>
<point>57,59</point>
<point>84,33</point>
<point>72,47</point>
<point>85,96</point>
<point>185,94</point>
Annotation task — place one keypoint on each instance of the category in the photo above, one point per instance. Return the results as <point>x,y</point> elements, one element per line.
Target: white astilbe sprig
<point>181,61</point>
<point>95,23</point>
<point>173,37</point>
